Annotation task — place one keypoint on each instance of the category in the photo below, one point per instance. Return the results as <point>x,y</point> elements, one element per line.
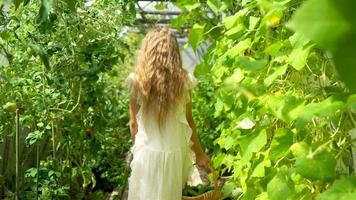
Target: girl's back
<point>160,95</point>
<point>162,153</point>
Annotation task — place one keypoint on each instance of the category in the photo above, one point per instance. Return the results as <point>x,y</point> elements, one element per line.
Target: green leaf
<point>298,57</point>
<point>232,81</point>
<point>214,5</point>
<point>259,170</point>
<point>253,21</point>
<point>201,69</point>
<point>239,48</point>
<point>10,106</point>
<point>235,32</point>
<point>262,196</point>
<point>316,166</point>
<point>25,2</point>
<point>280,187</point>
<point>231,21</point>
<point>33,137</point>
<point>71,4</point>
<point>286,107</point>
<point>298,40</point>
<point>41,53</point>
<point>192,6</point>
<point>343,189</point>
<point>282,140</point>
<point>196,35</point>
<point>252,143</point>
<point>351,103</point>
<point>251,64</point>
<point>32,172</point>
<point>40,124</point>
<point>320,21</point>
<point>326,108</point>
<point>179,20</point>
<point>345,62</point>
<point>278,72</point>
<point>229,142</point>
<point>273,49</point>
<point>44,10</point>
<point>299,148</point>
<point>331,24</point>
<point>17,3</point>
<point>219,106</point>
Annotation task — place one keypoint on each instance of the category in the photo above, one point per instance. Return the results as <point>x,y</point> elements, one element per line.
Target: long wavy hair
<point>160,79</point>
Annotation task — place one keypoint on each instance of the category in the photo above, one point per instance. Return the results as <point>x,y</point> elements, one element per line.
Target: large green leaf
<point>326,108</point>
<point>251,64</point>
<point>274,48</point>
<point>278,72</point>
<point>196,35</point>
<point>320,21</point>
<point>231,21</point>
<point>233,81</point>
<point>280,187</point>
<point>259,170</point>
<point>239,48</point>
<point>284,106</point>
<point>282,140</point>
<point>344,57</point>
<point>214,5</point>
<point>332,25</point>
<point>252,143</point>
<point>316,166</point>
<point>235,32</point>
<point>343,189</point>
<point>298,57</point>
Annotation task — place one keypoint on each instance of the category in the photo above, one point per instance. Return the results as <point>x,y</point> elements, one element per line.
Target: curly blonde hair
<point>160,79</point>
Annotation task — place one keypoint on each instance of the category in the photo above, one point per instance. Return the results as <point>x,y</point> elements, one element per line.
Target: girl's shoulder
<point>192,81</point>
<point>130,78</point>
<point>130,82</point>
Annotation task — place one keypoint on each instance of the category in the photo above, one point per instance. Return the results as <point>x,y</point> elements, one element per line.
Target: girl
<point>161,122</point>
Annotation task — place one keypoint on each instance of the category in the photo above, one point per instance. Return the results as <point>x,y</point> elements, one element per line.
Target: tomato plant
<point>61,69</point>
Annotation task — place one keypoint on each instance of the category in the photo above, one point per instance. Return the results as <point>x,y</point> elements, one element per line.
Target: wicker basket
<point>210,195</point>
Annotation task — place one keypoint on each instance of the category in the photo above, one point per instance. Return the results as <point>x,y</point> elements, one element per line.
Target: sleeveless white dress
<point>162,158</point>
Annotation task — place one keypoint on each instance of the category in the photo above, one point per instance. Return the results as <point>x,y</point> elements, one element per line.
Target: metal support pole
<point>17,152</point>
<point>38,167</point>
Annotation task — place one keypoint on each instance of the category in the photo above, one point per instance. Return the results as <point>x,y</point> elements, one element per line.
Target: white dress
<point>162,158</point>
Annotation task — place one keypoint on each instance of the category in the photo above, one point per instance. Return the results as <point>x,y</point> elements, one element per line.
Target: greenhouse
<point>183,99</point>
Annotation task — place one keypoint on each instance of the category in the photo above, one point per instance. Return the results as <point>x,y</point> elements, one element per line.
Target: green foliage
<point>278,106</point>
<point>280,187</point>
<point>281,142</point>
<point>316,166</point>
<point>331,24</point>
<point>344,188</point>
<point>63,59</point>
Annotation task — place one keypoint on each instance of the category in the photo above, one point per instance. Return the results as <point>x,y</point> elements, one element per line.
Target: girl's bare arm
<point>134,107</point>
<point>201,158</point>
